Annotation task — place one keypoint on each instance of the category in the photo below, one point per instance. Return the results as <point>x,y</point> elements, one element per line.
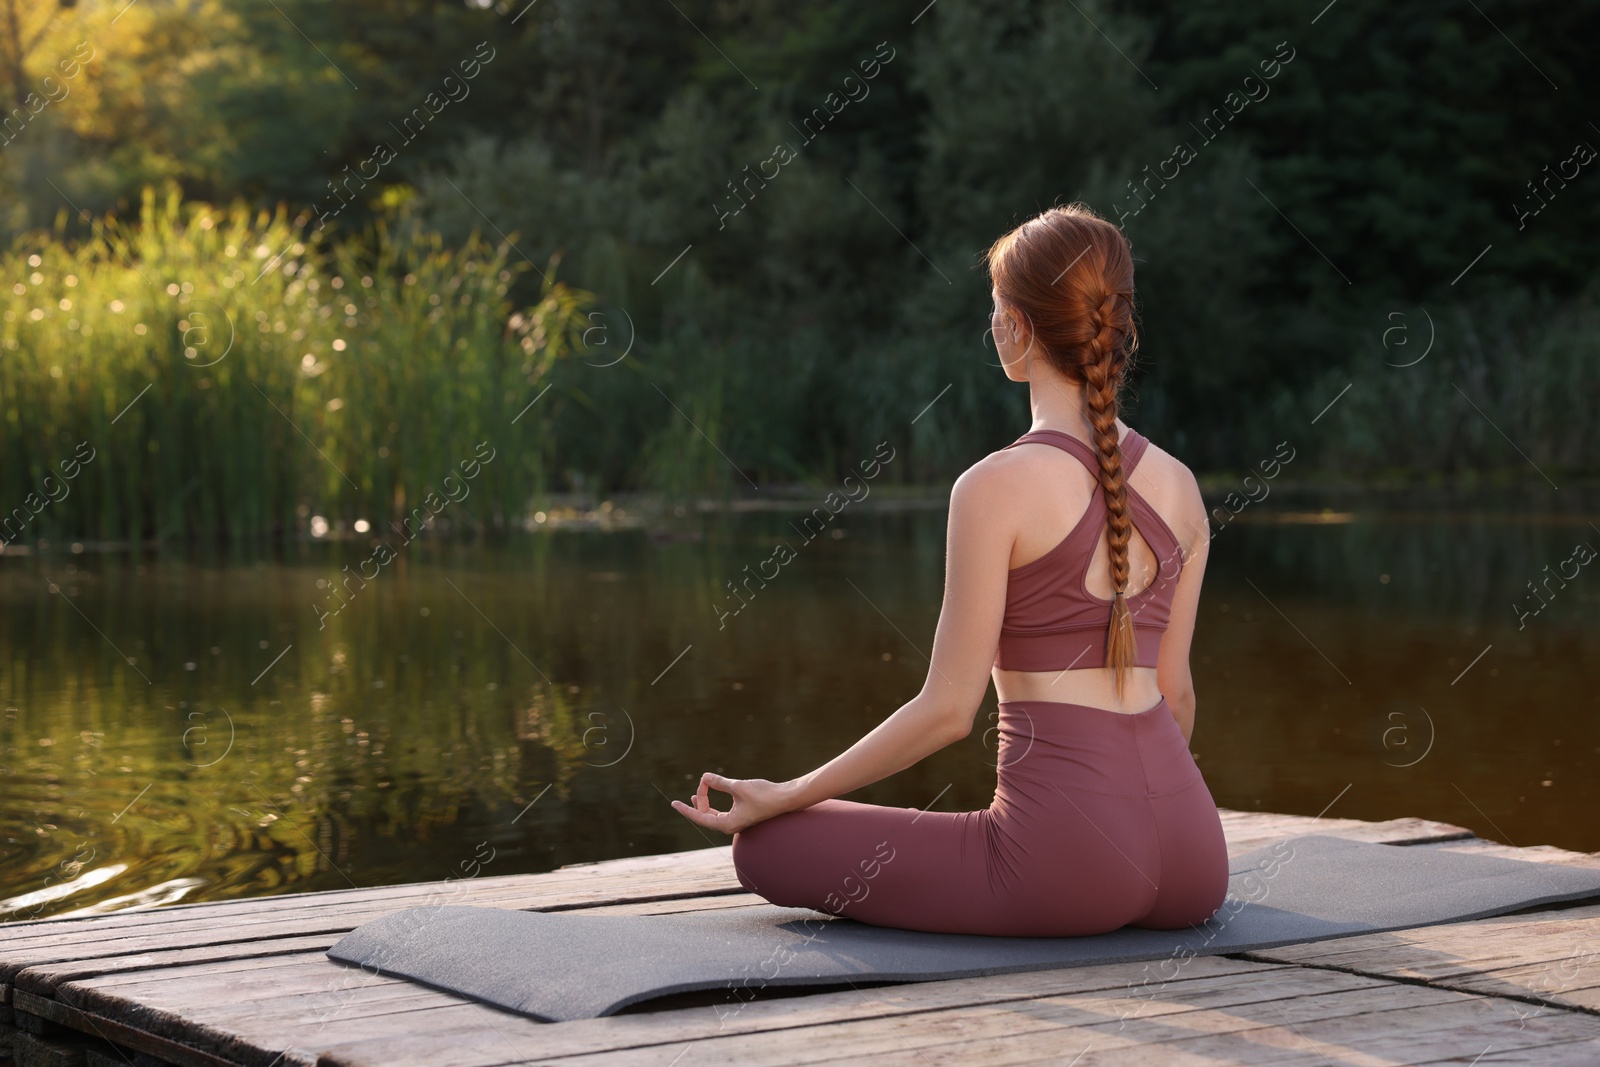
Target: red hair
<point>1069,274</point>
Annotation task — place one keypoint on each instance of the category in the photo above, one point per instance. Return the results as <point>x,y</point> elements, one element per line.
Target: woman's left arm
<point>982,526</point>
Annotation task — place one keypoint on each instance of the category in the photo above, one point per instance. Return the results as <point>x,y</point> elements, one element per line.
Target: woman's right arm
<point>1173,676</point>
<point>984,507</point>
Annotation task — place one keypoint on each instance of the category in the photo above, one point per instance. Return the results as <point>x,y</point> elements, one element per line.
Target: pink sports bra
<point>1052,621</point>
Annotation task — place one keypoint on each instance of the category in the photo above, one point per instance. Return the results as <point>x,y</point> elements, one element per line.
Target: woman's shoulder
<point>1000,472</point>
<point>1001,482</point>
<point>1170,487</point>
<point>1162,463</point>
<point>1017,465</point>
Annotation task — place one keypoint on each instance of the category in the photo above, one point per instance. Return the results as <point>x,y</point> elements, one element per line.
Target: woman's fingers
<point>711,820</point>
<point>702,812</point>
<point>708,782</point>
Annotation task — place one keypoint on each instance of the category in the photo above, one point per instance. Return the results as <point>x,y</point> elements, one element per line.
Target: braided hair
<point>1070,273</point>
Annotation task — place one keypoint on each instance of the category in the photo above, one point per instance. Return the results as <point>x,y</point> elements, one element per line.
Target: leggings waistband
<point>1078,746</point>
<point>1059,718</point>
<point>1064,705</point>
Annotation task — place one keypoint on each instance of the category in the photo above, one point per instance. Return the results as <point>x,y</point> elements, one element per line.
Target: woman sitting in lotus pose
<point>1073,571</point>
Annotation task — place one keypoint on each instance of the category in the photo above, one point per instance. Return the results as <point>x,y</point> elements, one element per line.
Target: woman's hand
<point>754,800</point>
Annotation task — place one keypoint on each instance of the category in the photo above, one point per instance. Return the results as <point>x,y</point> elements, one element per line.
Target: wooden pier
<point>246,983</point>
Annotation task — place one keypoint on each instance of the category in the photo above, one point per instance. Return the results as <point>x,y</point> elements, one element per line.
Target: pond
<point>194,728</point>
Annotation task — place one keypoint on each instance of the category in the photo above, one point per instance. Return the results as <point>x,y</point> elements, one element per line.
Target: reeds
<point>234,377</point>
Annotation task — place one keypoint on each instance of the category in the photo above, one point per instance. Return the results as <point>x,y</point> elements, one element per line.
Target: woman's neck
<point>1057,404</point>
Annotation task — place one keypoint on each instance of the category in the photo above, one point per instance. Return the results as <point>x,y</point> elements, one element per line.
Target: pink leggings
<point>1100,820</point>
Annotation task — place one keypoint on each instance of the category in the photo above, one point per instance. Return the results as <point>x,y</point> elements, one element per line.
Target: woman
<point>1067,582</point>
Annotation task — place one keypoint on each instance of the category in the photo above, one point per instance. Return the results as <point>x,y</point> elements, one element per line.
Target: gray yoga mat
<point>558,966</point>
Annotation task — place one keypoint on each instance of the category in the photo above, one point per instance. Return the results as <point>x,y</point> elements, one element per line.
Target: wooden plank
<point>1462,1032</point>
<point>1467,1043</point>
<point>1257,1048</point>
<point>284,996</point>
<point>618,872</point>
<point>606,880</point>
<point>289,979</point>
<point>269,999</point>
<point>115,1030</point>
<point>583,888</point>
<point>1528,853</point>
<point>422,1038</point>
<point>30,1050</point>
<point>305,985</point>
<point>81,962</point>
<point>291,972</point>
<point>279,1035</point>
<point>1580,1053</point>
<point>1552,957</point>
<point>42,979</point>
<point>1248,830</point>
<point>1228,1006</point>
<point>1448,950</point>
<point>1382,1024</point>
<point>243,1019</point>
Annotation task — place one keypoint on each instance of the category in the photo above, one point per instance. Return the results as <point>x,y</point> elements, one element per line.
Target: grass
<point>232,377</point>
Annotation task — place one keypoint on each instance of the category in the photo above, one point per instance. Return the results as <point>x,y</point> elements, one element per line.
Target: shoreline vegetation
<point>238,380</point>
<point>235,379</point>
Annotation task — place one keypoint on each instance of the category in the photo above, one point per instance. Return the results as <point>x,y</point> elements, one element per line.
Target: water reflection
<point>196,728</point>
